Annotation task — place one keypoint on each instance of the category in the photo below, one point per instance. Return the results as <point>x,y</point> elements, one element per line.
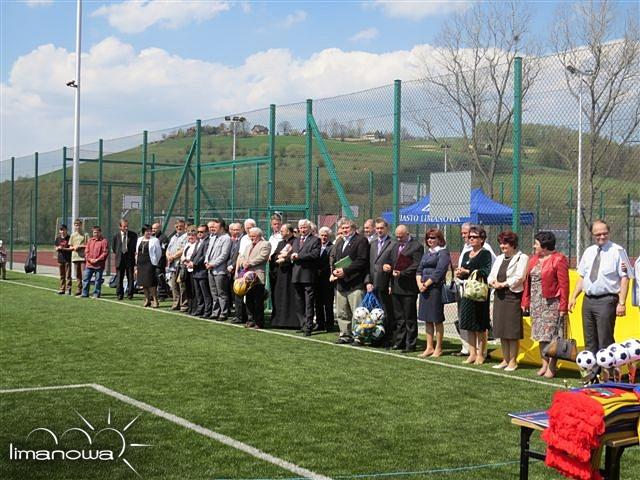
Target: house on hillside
<point>374,137</point>
<point>259,130</point>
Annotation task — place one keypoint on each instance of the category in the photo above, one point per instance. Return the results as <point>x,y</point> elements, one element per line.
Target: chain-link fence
<point>373,151</point>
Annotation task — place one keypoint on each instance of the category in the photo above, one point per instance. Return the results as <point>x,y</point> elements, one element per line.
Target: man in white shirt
<point>276,236</point>
<point>604,271</point>
<point>245,241</point>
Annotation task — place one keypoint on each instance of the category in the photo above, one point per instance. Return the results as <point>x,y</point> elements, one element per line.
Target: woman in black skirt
<point>430,277</point>
<point>148,253</point>
<point>507,278</point>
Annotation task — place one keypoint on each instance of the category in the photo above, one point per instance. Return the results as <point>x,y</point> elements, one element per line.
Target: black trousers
<point>389,320</point>
<point>599,321</point>
<point>305,304</point>
<point>163,288</point>
<point>255,304</point>
<point>125,268</point>
<point>202,305</point>
<point>325,294</point>
<point>406,321</point>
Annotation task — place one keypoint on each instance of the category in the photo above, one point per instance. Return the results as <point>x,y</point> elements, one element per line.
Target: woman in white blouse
<point>507,278</point>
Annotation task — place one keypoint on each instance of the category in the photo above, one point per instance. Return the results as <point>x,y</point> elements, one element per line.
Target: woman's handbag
<point>450,290</point>
<point>475,289</point>
<point>561,347</point>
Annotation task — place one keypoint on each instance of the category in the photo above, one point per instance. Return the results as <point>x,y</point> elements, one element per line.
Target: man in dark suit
<point>378,281</point>
<point>350,279</point>
<point>404,260</point>
<point>324,288</point>
<point>202,305</point>
<point>124,247</point>
<point>235,231</point>
<point>305,253</point>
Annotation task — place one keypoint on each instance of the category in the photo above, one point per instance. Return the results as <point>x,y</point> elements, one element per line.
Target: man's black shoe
<point>342,341</point>
<point>120,297</point>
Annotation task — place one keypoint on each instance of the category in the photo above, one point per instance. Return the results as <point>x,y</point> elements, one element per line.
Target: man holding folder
<point>405,257</point>
<point>349,262</point>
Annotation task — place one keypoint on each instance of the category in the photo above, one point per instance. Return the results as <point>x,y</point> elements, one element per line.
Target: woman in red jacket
<point>546,294</point>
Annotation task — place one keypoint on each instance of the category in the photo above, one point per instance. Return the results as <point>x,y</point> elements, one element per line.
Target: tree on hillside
<point>476,50</point>
<point>610,83</point>
<point>284,127</point>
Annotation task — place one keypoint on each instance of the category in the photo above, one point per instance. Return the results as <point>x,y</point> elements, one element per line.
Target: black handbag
<point>450,290</point>
<point>560,346</point>
<point>31,262</point>
<point>113,281</point>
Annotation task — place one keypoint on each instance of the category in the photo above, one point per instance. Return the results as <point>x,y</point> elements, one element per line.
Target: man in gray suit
<point>305,255</point>
<point>378,280</point>
<point>216,264</point>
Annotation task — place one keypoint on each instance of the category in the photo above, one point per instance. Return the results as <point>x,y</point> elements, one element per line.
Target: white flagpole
<point>75,190</point>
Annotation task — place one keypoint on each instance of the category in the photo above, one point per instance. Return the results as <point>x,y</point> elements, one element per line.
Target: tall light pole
<point>580,74</point>
<point>446,147</point>
<point>234,121</point>
<point>75,183</point>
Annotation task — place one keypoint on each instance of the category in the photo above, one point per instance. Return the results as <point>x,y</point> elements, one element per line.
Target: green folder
<point>343,262</point>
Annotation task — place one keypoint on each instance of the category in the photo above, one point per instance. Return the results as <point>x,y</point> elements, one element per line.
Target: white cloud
<point>296,17</point>
<point>365,35</point>
<point>125,91</point>
<point>136,16</point>
<point>419,9</point>
<point>36,3</point>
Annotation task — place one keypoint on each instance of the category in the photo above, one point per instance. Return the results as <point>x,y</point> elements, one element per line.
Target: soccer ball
<point>633,347</point>
<point>622,356</point>
<point>361,314</point>
<point>586,360</point>
<point>614,347</point>
<point>358,331</point>
<point>605,358</point>
<point>378,333</point>
<point>377,314</point>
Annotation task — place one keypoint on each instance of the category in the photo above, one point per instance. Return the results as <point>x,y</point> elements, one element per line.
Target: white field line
<point>230,442</point>
<point>324,342</point>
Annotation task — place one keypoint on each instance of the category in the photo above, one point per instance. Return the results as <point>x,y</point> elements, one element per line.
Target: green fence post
<point>233,192</point>
<point>272,158</point>
<point>308,162</point>
<point>196,204</point>
<point>30,217</point>
<point>12,210</point>
<point>537,208</point>
<point>397,99</point>
<point>316,208</point>
<point>35,201</point>
<point>186,194</point>
<point>370,194</point>
<point>64,184</point>
<point>109,222</point>
<point>100,178</point>
<point>152,190</point>
<point>143,211</point>
<point>256,201</point>
<point>517,138</point>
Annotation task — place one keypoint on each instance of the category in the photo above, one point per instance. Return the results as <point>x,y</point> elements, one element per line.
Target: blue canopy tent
<point>484,211</point>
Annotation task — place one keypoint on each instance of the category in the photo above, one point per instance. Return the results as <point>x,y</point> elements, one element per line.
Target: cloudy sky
<point>157,64</point>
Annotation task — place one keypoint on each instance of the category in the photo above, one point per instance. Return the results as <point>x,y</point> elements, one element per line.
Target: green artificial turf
<point>338,411</point>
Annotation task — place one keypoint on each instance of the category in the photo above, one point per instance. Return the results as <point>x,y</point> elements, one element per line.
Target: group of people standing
<point>312,277</point>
